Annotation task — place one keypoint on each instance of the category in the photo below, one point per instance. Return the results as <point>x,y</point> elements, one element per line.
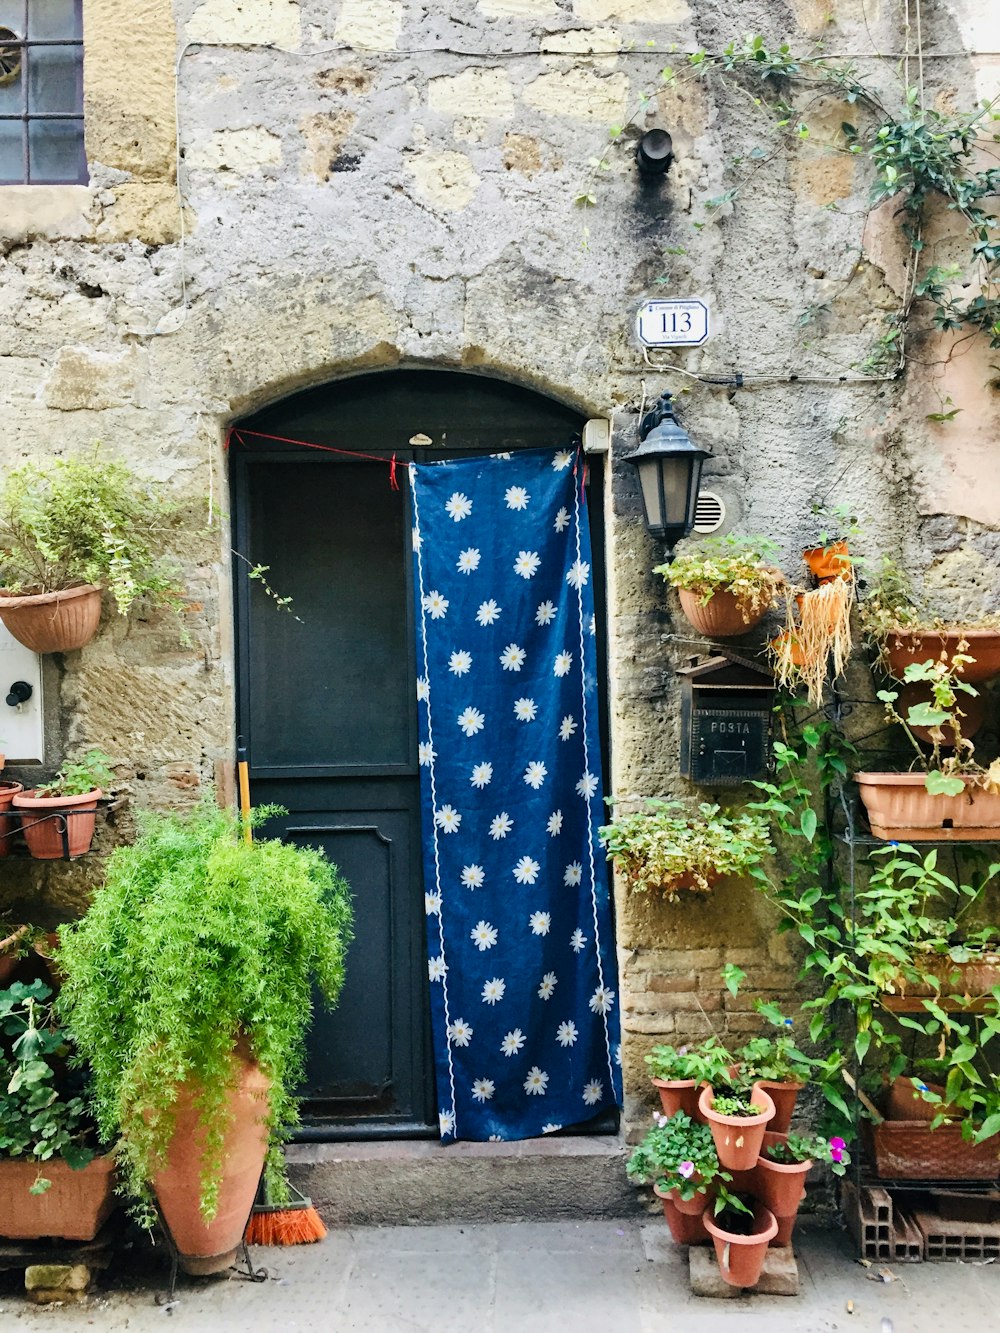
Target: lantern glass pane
<point>649,480</point>
<point>694,486</point>
<point>676,473</point>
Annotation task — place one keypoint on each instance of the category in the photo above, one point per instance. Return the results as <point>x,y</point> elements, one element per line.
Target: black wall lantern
<point>669,468</point>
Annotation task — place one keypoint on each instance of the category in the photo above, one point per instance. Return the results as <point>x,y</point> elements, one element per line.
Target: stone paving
<point>607,1276</point>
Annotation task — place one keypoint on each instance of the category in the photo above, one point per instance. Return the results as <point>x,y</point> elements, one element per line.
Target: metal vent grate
<point>709,513</point>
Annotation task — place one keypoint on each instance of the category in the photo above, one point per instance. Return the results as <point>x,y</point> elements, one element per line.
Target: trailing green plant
<point>677,1154</point>
<point>77,777</point>
<point>38,1120</point>
<point>810,1148</point>
<point>707,1062</point>
<point>85,520</point>
<point>740,565</point>
<point>666,848</point>
<point>199,941</point>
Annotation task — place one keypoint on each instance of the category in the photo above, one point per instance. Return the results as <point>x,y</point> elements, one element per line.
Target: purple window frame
<point>27,117</point>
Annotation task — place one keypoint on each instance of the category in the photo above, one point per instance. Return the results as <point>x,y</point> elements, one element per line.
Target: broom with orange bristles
<point>296,1222</point>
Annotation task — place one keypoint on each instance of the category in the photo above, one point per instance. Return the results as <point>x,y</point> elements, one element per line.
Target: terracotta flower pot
<point>210,1247</point>
<point>44,834</point>
<point>780,1186</point>
<point>737,1137</point>
<point>900,806</point>
<point>75,1207</point>
<point>10,954</point>
<point>8,826</point>
<point>784,1095</point>
<point>788,648</point>
<point>904,1102</point>
<point>741,1258</point>
<point>975,978</point>
<point>53,622</point>
<point>678,1094</point>
<point>973,707</point>
<point>686,1228</point>
<point>722,616</point>
<point>828,562</point>
<point>902,650</point>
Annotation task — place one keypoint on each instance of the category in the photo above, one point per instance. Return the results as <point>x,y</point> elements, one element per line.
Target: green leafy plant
<point>665,848</point>
<point>199,940</point>
<point>775,1058</point>
<point>79,776</point>
<point>38,1120</point>
<point>730,563</point>
<point>679,1155</point>
<point>85,520</point>
<point>736,1104</point>
<point>834,523</point>
<point>811,1148</point>
<point>708,1062</point>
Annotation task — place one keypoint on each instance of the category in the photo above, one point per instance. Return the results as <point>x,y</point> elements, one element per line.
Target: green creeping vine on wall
<point>918,154</point>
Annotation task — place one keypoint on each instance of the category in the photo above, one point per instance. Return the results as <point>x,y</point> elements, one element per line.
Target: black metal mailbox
<point>726,712</point>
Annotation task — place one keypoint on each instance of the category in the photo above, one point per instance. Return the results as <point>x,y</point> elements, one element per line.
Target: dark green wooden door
<point>327,695</point>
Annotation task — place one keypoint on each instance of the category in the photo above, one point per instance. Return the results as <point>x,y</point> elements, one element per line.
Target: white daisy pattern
<point>520,954</point>
<point>458,507</point>
<point>526,564</point>
<point>536,1082</point>
<point>471,720</point>
<point>448,819</point>
<point>526,870</point>
<point>500,825</point>
<point>484,936</point>
<point>512,657</point>
<point>435,604</point>
<point>473,877</point>
<point>512,1042</point>
<point>460,1032</point>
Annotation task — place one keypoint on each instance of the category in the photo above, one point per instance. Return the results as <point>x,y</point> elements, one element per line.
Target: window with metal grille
<point>41,92</point>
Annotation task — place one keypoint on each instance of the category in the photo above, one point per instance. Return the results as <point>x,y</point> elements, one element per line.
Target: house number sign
<point>673,323</point>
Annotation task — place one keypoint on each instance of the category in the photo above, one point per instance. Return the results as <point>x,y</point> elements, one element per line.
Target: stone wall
<point>374,183</point>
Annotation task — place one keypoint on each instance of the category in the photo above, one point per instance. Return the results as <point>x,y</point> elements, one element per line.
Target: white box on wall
<point>20,726</point>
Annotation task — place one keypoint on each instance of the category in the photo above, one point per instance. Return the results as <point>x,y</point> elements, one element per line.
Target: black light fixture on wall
<point>669,467</point>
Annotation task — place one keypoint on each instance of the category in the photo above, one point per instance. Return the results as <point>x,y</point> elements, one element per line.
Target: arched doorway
<point>326,696</point>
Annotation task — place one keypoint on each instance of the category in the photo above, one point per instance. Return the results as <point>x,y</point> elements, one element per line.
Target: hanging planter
<point>741,1255</point>
<point>58,819</point>
<point>829,562</point>
<point>900,808</point>
<point>725,584</point>
<point>53,622</point>
<point>724,616</point>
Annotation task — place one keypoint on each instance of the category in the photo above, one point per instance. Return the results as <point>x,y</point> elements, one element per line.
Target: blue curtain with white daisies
<point>520,948</point>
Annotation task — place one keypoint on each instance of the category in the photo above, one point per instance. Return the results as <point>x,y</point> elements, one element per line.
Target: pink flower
<point>837,1146</point>
<point>686,1169</point>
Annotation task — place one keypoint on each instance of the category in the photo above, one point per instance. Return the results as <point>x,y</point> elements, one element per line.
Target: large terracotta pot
<point>722,616</point>
<point>686,1228</point>
<point>209,1247</point>
<point>780,1186</point>
<point>784,1095</point>
<point>44,834</point>
<point>741,1258</point>
<point>678,1094</point>
<point>900,806</point>
<point>53,622</point>
<point>737,1137</point>
<point>977,977</point>
<point>828,562</point>
<point>8,826</point>
<point>902,650</point>
<point>75,1207</point>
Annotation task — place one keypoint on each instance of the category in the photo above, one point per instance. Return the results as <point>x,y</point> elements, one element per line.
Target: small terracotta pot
<point>737,1137</point>
<point>8,826</point>
<point>678,1094</point>
<point>722,616</point>
<point>780,1186</point>
<point>828,562</point>
<point>44,834</point>
<point>788,647</point>
<point>741,1258</point>
<point>53,622</point>
<point>686,1228</point>
<point>902,650</point>
<point>693,1207</point>
<point>784,1095</point>
<point>75,1207</point>
<point>210,1247</point>
<point>900,806</point>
